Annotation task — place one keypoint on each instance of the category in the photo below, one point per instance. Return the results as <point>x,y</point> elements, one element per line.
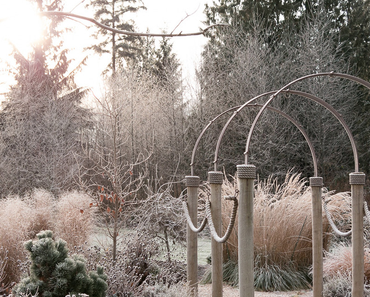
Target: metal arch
<point>288,117</point>
<point>341,75</point>
<point>299,126</point>
<point>201,135</point>
<point>299,93</point>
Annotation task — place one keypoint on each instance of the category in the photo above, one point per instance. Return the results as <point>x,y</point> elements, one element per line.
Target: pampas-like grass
<point>23,217</point>
<point>42,204</point>
<point>16,221</point>
<point>74,218</point>
<point>283,227</point>
<point>339,261</point>
<point>283,220</point>
<point>283,223</point>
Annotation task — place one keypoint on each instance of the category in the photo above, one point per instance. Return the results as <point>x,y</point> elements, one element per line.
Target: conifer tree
<point>54,274</point>
<point>111,13</point>
<point>42,118</point>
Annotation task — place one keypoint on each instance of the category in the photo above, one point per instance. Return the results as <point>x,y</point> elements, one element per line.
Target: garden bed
<point>206,291</point>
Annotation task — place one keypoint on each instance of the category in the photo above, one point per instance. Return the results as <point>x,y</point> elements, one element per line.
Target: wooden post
<point>316,184</point>
<point>357,182</point>
<point>192,184</point>
<point>246,177</point>
<point>215,179</point>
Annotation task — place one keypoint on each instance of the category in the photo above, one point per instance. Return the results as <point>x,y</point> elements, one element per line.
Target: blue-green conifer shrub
<point>54,274</point>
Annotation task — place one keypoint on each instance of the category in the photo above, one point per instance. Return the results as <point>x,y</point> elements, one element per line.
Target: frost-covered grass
<point>23,217</point>
<point>282,232</point>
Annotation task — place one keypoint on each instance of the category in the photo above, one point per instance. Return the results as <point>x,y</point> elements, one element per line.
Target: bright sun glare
<point>19,25</point>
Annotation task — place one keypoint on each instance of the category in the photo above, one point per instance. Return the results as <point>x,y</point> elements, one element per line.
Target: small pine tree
<point>54,274</point>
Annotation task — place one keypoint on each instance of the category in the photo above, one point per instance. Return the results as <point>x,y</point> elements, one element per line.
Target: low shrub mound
<point>54,274</point>
<point>137,268</point>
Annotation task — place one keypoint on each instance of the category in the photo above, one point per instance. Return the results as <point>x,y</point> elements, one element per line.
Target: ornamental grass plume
<point>74,218</point>
<point>283,220</point>
<point>339,261</point>
<point>16,221</point>
<point>23,217</point>
<point>283,229</point>
<point>42,204</point>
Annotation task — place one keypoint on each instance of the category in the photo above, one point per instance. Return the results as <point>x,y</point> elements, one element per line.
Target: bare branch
<point>71,15</point>
<point>187,15</point>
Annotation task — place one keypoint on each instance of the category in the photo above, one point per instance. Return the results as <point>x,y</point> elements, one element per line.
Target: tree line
<point>139,134</point>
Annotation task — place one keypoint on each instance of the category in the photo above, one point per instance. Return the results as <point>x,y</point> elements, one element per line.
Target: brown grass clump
<point>283,221</point>
<point>23,217</point>
<point>74,218</point>
<point>16,221</point>
<point>42,204</point>
<point>339,261</point>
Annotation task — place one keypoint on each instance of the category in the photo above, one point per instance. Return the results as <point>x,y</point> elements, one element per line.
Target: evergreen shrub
<point>54,274</point>
<point>70,218</point>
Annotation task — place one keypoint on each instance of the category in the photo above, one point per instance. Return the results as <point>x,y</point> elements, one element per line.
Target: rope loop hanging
<point>189,221</point>
<point>331,222</point>
<point>367,212</point>
<point>230,227</point>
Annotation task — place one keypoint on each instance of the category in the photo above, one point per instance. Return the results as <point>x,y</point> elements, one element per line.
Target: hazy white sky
<point>160,15</point>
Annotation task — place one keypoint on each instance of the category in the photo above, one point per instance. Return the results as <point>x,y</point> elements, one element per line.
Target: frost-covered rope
<point>367,212</point>
<point>231,223</point>
<point>332,224</point>
<point>190,223</point>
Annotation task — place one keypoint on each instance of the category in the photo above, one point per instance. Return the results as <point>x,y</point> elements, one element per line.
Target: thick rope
<point>367,212</point>
<point>231,223</point>
<point>190,223</point>
<point>331,222</point>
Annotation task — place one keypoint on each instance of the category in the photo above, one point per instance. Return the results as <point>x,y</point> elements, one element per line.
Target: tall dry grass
<point>339,261</point>
<point>282,232</point>
<point>283,220</point>
<point>42,205</point>
<point>23,217</point>
<point>74,218</point>
<point>16,222</point>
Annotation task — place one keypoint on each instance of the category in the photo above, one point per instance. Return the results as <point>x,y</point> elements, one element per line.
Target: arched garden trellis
<point>237,110</point>
<point>246,176</point>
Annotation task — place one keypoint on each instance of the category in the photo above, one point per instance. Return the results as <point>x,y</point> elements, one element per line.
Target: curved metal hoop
<point>293,121</point>
<point>331,74</point>
<point>230,227</point>
<point>299,93</point>
<point>303,132</point>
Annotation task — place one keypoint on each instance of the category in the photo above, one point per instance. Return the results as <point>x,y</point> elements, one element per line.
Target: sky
<point>161,15</point>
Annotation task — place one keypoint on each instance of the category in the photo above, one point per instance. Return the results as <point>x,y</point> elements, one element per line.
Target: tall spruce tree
<point>42,118</point>
<point>111,13</point>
